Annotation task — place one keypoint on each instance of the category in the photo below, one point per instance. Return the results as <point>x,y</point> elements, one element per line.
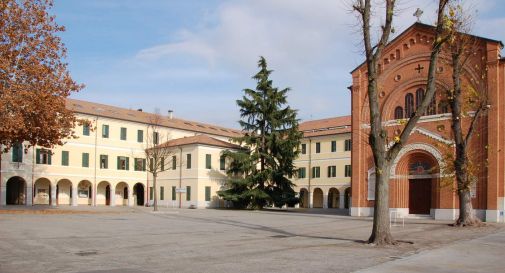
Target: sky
<point>195,57</point>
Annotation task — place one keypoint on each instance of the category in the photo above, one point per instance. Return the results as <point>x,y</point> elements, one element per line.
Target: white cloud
<point>312,46</point>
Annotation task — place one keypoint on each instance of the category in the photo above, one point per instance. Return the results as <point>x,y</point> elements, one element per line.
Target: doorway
<point>419,196</point>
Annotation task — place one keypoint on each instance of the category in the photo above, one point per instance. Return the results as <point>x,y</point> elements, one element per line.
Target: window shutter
<point>140,136</point>
<point>144,164</point>
<point>127,163</point>
<point>64,158</point>
<point>188,193</point>
<point>207,193</point>
<point>49,156</point>
<point>173,193</point>
<point>37,156</point>
<point>119,163</point>
<point>208,163</point>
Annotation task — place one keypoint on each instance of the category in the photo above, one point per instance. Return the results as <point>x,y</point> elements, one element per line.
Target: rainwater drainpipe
<point>180,178</point>
<point>94,175</point>
<point>33,176</point>
<point>310,171</point>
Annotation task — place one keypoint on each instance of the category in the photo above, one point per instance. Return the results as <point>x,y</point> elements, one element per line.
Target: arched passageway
<point>318,198</point>
<point>347,196</point>
<point>333,198</point>
<point>419,169</point>
<point>84,193</point>
<point>138,194</point>
<point>16,191</point>
<point>64,192</point>
<point>103,193</point>
<point>42,192</point>
<point>304,198</point>
<point>122,194</point>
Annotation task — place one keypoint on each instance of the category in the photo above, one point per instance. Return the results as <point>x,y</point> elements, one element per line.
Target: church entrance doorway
<point>419,196</point>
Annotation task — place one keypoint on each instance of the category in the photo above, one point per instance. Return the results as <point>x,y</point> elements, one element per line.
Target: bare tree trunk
<point>467,215</point>
<point>381,232</point>
<point>155,195</point>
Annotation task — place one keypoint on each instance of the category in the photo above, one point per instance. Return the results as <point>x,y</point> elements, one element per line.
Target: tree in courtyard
<point>34,80</point>
<point>259,175</point>
<point>383,152</point>
<point>158,156</point>
<point>462,99</point>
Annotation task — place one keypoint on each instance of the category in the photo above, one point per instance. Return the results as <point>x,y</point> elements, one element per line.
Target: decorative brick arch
<point>418,146</point>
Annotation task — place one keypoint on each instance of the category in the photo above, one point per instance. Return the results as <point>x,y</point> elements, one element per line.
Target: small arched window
<point>432,108</point>
<point>409,105</point>
<point>419,97</point>
<point>443,107</point>
<point>398,112</point>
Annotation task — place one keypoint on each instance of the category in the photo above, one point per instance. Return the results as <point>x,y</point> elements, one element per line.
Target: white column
<point>325,201</point>
<point>53,195</point>
<point>130,197</point>
<point>341,200</point>
<point>74,196</point>
<point>29,195</point>
<point>3,194</point>
<point>311,205</point>
<point>112,196</point>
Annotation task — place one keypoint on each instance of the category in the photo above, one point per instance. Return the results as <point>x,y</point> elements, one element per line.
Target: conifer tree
<point>259,175</point>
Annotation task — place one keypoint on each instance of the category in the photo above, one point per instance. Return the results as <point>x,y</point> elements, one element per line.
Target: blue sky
<point>196,57</point>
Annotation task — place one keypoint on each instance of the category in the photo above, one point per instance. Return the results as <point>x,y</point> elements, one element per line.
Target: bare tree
<point>385,153</point>
<point>158,156</point>
<point>463,98</point>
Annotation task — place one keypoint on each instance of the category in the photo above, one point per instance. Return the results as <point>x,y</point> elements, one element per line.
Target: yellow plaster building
<point>106,164</point>
<point>324,164</point>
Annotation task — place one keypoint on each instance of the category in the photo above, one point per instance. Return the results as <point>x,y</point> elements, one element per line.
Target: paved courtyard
<point>137,240</point>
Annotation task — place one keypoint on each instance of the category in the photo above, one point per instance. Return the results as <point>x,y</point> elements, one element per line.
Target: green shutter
<point>162,193</point>
<point>188,161</point>
<point>222,163</point>
<point>162,163</point>
<point>37,156</point>
<point>17,152</point>
<point>151,193</point>
<point>85,160</point>
<point>64,158</point>
<point>174,162</point>
<point>127,163</point>
<point>49,156</point>
<point>144,164</point>
<point>85,130</point>
<point>119,163</point>
<point>173,193</point>
<point>207,193</point>
<point>208,161</point>
<point>188,193</point>
<point>140,136</point>
<point>123,133</point>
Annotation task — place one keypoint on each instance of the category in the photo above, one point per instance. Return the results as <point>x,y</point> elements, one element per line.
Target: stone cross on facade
<point>419,68</point>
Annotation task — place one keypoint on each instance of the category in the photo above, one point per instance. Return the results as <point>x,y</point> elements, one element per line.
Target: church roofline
<point>430,27</point>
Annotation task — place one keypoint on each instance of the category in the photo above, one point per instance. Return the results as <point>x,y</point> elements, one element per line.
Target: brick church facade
<point>418,184</point>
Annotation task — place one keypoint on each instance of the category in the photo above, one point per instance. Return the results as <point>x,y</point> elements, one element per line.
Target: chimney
<point>140,109</point>
<point>170,114</point>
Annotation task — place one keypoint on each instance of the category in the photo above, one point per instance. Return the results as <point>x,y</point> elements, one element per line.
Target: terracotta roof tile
<point>91,108</point>
<point>328,126</point>
<point>199,139</point>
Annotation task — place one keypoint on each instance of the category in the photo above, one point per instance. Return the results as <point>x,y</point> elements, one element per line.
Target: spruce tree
<point>259,175</point>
